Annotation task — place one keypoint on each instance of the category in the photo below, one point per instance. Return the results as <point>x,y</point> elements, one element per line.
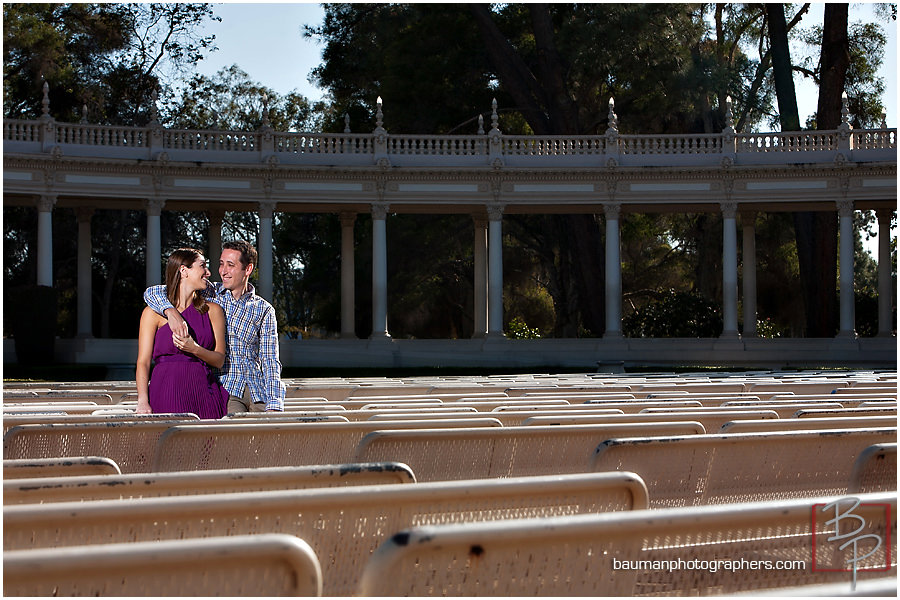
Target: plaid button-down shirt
<point>251,358</point>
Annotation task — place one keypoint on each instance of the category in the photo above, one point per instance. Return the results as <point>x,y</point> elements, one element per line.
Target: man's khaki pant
<point>244,404</point>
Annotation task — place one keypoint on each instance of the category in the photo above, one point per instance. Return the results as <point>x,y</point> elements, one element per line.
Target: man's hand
<point>177,323</point>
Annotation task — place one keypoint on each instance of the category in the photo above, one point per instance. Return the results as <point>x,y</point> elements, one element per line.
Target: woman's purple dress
<point>181,382</point>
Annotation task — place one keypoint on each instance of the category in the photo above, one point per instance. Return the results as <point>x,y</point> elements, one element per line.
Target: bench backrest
<point>239,566</point>
<point>343,525</point>
<point>741,467</point>
<point>747,425</point>
<point>187,483</point>
<point>451,454</point>
<point>131,444</point>
<point>627,554</point>
<point>255,444</point>
<point>25,468</point>
<point>875,470</point>
<point>784,410</point>
<point>10,421</point>
<point>868,411</point>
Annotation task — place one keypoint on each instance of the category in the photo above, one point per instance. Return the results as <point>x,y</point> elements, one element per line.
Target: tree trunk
<point>834,61</point>
<point>782,69</point>
<point>543,98</point>
<point>816,232</point>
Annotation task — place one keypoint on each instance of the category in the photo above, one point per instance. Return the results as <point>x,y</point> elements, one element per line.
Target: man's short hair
<point>249,256</point>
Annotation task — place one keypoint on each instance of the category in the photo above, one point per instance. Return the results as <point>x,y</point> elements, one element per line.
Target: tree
<point>552,69</point>
<point>111,58</point>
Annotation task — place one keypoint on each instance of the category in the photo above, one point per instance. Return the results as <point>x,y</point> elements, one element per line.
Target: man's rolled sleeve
<point>270,364</point>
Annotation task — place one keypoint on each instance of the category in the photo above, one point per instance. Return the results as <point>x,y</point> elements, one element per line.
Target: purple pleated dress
<point>181,382</point>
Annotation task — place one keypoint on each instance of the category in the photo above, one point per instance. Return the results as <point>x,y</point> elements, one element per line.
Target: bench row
<point>497,538</point>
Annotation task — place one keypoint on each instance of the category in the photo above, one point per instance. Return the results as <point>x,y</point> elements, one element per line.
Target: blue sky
<point>266,41</point>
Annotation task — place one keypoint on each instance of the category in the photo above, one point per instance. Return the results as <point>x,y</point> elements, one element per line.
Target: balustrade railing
<point>51,132</point>
<point>21,131</point>
<point>324,143</point>
<point>101,135</point>
<point>224,141</point>
<point>669,144</point>
<point>801,141</point>
<point>874,139</point>
<point>437,145</point>
<point>513,145</point>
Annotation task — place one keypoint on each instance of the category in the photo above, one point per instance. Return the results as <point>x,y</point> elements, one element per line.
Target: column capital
<point>347,219</point>
<point>380,210</point>
<point>495,212</point>
<point>215,216</point>
<point>884,215</point>
<point>612,210</point>
<point>46,202</point>
<point>266,209</point>
<point>729,209</point>
<point>154,206</point>
<point>84,213</point>
<point>845,208</point>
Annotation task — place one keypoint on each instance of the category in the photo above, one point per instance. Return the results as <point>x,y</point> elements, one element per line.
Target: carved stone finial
<point>495,118</point>
<point>346,123</point>
<point>729,115</point>
<point>379,114</point>
<point>83,113</point>
<point>265,115</point>
<point>45,102</point>
<point>845,109</point>
<point>613,120</point>
<point>884,119</point>
<point>154,111</point>
<point>480,124</point>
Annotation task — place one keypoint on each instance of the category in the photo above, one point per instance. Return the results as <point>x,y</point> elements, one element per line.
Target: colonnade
<point>488,266</point>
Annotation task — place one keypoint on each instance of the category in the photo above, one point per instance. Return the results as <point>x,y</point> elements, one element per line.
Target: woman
<point>183,380</point>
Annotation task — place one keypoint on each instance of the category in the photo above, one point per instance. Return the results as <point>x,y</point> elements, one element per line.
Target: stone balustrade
<point>354,149</point>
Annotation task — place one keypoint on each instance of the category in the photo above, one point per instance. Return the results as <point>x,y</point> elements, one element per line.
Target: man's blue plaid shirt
<point>252,355</point>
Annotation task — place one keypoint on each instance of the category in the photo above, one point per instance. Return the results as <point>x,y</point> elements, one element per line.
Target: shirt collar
<point>251,291</point>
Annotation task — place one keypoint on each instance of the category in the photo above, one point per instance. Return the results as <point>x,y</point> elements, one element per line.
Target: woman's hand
<point>185,343</point>
<point>143,407</point>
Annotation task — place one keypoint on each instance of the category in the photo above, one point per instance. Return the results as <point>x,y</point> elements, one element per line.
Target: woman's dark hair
<point>182,257</point>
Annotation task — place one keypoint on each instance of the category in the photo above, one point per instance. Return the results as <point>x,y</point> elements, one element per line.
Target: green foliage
<point>230,100</point>
<point>517,329</point>
<point>110,57</point>
<point>765,328</point>
<point>675,314</point>
<point>864,87</point>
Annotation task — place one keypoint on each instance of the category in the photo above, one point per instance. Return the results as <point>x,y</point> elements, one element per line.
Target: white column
<point>885,289</point>
<point>613,272</point>
<point>729,270</point>
<point>379,272</point>
<point>215,242</point>
<point>845,254</point>
<point>348,271</point>
<point>748,221</point>
<point>264,247</point>
<point>45,240</point>
<point>83,294</point>
<point>495,271</point>
<point>154,242</point>
<point>480,310</point>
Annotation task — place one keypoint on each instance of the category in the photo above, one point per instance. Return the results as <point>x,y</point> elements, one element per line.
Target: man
<point>252,369</point>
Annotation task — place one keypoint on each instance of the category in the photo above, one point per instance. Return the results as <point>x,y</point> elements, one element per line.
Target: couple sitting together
<point>214,345</point>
